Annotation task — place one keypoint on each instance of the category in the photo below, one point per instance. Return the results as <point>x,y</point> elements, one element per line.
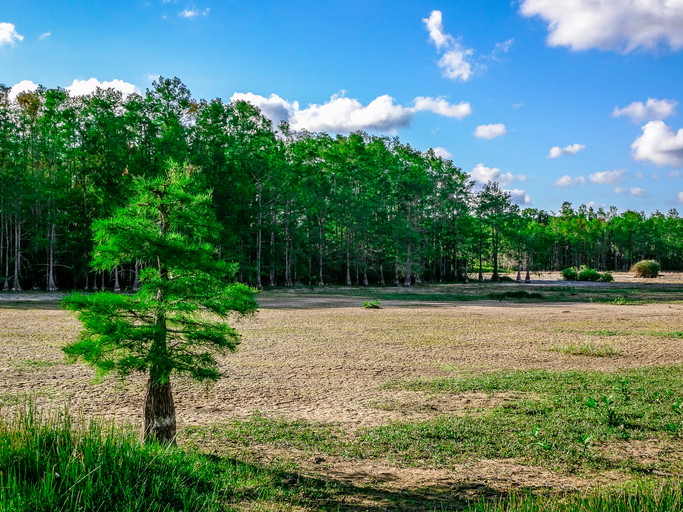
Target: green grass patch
<point>586,349</point>
<point>372,304</point>
<point>643,496</point>
<point>52,462</point>
<point>563,421</point>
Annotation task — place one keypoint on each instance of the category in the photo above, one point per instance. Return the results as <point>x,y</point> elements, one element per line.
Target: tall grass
<point>646,268</point>
<point>49,462</point>
<point>642,497</point>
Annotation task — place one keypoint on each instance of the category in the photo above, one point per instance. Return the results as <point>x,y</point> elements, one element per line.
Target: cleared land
<point>341,392</point>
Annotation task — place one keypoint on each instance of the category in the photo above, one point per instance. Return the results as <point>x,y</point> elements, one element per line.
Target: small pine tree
<point>176,322</point>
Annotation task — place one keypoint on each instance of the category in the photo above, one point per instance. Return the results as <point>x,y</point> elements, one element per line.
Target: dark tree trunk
<point>117,286</point>
<point>160,422</point>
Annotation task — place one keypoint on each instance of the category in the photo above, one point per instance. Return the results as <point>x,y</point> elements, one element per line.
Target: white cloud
<point>23,86</point>
<point>680,197</point>
<point>608,177</point>
<point>594,205</point>
<point>568,181</point>
<point>85,87</point>
<point>572,149</point>
<point>434,25</point>
<point>519,197</point>
<point>517,105</point>
<point>343,115</point>
<point>659,144</point>
<point>45,35</point>
<point>483,174</point>
<point>655,176</point>
<point>633,191</point>
<point>193,12</point>
<point>456,62</point>
<point>442,107</point>
<point>503,47</point>
<point>673,174</point>
<point>621,25</point>
<point>442,152</point>
<point>638,175</point>
<point>489,131</point>
<point>652,109</point>
<point>9,34</point>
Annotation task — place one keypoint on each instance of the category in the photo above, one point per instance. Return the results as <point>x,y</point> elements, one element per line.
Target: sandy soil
<point>326,359</point>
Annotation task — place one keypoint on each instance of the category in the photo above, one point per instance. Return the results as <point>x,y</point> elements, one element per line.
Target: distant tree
<point>176,323</point>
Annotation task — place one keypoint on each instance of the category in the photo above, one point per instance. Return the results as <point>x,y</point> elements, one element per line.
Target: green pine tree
<point>177,322</point>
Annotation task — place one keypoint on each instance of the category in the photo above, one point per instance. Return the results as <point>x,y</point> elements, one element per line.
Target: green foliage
<point>51,462</point>
<point>646,268</point>
<point>372,304</point>
<point>588,274</point>
<point>570,274</point>
<point>606,278</point>
<point>177,321</point>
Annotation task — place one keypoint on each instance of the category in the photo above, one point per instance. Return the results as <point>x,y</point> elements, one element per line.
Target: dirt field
<point>326,359</point>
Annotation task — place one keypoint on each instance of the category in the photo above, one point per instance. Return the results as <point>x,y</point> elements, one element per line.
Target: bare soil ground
<point>324,358</point>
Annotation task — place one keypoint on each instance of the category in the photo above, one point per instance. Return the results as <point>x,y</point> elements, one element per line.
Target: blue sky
<point>495,84</point>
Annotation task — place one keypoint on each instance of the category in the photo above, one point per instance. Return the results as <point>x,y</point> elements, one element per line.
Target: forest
<point>295,208</point>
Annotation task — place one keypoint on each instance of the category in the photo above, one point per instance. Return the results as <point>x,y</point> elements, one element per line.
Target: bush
<point>589,274</point>
<point>606,278</point>
<point>646,268</point>
<point>570,274</point>
<point>371,304</point>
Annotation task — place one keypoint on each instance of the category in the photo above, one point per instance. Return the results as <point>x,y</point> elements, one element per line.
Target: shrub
<point>371,304</point>
<point>606,278</point>
<point>646,268</point>
<point>589,274</point>
<point>570,274</point>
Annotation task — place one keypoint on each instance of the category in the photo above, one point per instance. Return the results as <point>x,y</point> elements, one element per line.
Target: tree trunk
<point>527,279</point>
<point>259,286</point>
<point>271,270</point>
<point>160,422</point>
<point>5,286</point>
<point>320,252</point>
<point>406,281</point>
<point>16,286</point>
<point>495,277</point>
<point>348,264</point>
<point>466,276</point>
<point>117,286</point>
<point>381,274</point>
<point>51,285</point>
<point>136,281</point>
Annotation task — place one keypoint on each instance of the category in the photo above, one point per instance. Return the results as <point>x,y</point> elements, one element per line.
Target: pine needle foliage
<point>177,322</point>
<point>646,268</point>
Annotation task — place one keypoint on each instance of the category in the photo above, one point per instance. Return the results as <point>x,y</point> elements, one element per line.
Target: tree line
<point>293,207</point>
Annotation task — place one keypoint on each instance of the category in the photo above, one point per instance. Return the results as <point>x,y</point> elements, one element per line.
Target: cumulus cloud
<point>519,197</point>
<point>594,205</point>
<point>483,174</point>
<point>442,152</point>
<point>572,149</point>
<point>608,177</point>
<point>633,191</point>
<point>456,62</point>
<point>442,107</point>
<point>659,144</point>
<point>9,35</point>
<point>193,12</point>
<point>489,131</point>
<point>568,181</point>
<point>680,197</point>
<point>621,25</point>
<point>652,109</point>
<point>673,174</point>
<point>343,115</point>
<point>23,86</point>
<point>85,87</point>
<point>434,26</point>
